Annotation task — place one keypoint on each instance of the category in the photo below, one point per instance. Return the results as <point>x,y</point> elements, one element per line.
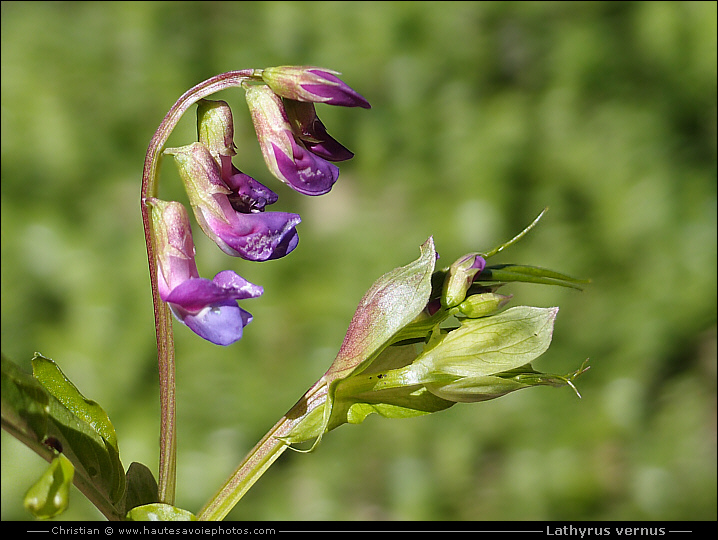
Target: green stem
<point>261,457</point>
<point>163,318</point>
<point>515,238</point>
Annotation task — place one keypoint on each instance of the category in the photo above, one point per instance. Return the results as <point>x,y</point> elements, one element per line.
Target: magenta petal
<point>248,195</point>
<point>260,236</point>
<point>309,129</point>
<point>209,308</point>
<point>330,149</point>
<point>195,294</point>
<point>339,93</point>
<point>228,279</point>
<point>306,173</point>
<point>479,264</point>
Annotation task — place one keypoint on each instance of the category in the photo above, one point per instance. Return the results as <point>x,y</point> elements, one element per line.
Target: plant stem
<point>163,318</point>
<point>261,457</point>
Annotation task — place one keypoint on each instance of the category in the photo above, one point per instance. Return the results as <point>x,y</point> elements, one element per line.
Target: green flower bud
<point>473,389</point>
<point>481,305</point>
<point>215,128</point>
<point>459,278</point>
<point>487,346</point>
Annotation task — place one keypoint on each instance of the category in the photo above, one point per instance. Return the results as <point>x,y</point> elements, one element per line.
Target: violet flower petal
<point>340,93</point>
<point>306,173</point>
<point>259,236</point>
<point>209,308</point>
<point>222,323</point>
<point>248,195</point>
<point>310,130</point>
<point>312,84</point>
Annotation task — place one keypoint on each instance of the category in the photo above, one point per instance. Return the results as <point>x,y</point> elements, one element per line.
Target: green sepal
<point>159,512</point>
<point>50,495</point>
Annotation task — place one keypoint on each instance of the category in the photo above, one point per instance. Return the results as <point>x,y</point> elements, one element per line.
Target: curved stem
<point>262,456</point>
<point>163,318</point>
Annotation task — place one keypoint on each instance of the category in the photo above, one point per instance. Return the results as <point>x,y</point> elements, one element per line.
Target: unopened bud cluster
<point>423,339</point>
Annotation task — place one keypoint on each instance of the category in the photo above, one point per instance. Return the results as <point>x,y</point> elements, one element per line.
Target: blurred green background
<point>483,113</point>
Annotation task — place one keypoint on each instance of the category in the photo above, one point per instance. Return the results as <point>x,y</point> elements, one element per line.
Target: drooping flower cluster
<point>229,205</point>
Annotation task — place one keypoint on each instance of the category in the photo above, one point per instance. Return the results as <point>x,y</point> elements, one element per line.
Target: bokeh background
<point>483,114</point>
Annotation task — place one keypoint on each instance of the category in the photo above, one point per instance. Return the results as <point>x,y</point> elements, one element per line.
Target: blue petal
<point>222,323</point>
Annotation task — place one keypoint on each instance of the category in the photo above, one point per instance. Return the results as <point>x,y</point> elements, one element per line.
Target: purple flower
<point>208,308</point>
<point>220,210</point>
<point>312,84</point>
<point>215,130</point>
<point>286,157</point>
<point>311,131</point>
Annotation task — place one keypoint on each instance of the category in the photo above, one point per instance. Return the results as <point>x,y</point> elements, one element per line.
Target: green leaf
<point>53,379</point>
<point>141,486</point>
<point>482,388</point>
<point>33,414</point>
<point>159,512</point>
<point>50,495</point>
<point>419,403</point>
<point>24,403</point>
<point>489,345</point>
<point>516,238</point>
<point>529,274</point>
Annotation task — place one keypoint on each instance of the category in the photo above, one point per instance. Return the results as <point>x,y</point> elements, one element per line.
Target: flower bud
<point>215,128</point>
<point>487,346</point>
<point>459,278</point>
<point>474,389</point>
<point>312,84</point>
<point>481,305</point>
<point>285,156</point>
<point>50,495</point>
<point>215,131</point>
